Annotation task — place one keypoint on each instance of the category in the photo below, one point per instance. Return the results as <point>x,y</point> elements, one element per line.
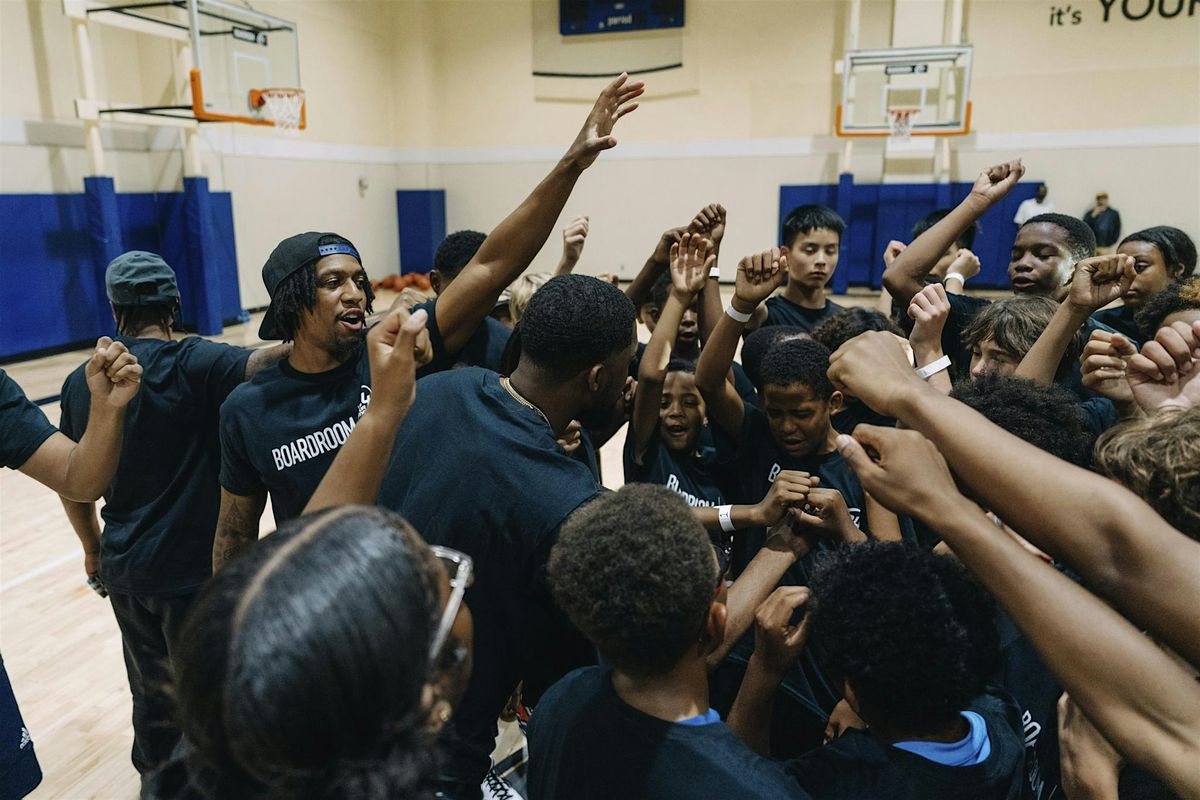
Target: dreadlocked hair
<point>133,319</point>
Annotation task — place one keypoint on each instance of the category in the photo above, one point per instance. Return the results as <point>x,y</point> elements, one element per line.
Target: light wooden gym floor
<point>59,639</point>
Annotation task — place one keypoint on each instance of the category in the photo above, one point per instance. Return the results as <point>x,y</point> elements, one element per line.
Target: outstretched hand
<point>777,642</point>
<point>596,135</point>
<point>691,259</point>
<point>996,181</point>
<point>1164,374</point>
<point>113,373</point>
<point>874,368</point>
<point>395,348</point>
<point>759,275</point>
<point>1100,280</point>
<point>887,460</point>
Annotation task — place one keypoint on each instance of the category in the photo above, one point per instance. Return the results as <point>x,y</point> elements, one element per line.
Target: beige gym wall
<point>438,94</point>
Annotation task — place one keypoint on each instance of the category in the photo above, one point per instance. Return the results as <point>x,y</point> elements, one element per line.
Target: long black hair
<point>301,668</point>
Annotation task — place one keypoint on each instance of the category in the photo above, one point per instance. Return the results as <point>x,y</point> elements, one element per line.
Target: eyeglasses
<point>460,568</point>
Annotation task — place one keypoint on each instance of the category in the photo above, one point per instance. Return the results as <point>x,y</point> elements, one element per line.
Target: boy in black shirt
<point>29,443</point>
<point>812,238</point>
<point>161,509</point>
<point>912,636</point>
<point>638,576</point>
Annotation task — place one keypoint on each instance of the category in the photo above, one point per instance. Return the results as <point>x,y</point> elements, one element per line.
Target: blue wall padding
<point>52,294</point>
<point>104,231</point>
<point>421,215</point>
<point>876,213</point>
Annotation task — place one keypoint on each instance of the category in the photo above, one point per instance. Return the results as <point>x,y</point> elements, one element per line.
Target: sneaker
<point>496,788</point>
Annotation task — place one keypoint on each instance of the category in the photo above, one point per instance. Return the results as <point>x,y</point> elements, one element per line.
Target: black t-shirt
<point>23,426</point>
<point>585,742</point>
<point>1035,691</point>
<point>781,311</point>
<point>282,430</point>
<point>160,512</point>
<point>695,478</point>
<point>1121,320</point>
<point>475,470</point>
<point>855,413</point>
<point>485,348</point>
<point>857,766</point>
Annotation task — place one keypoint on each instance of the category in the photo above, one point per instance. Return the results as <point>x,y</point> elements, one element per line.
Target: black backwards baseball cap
<point>139,278</point>
<point>292,254</point>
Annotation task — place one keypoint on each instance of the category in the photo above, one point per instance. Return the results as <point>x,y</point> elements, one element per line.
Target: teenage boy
<point>911,634</point>
<point>812,239</point>
<point>638,576</point>
<point>82,470</point>
<point>280,432</point>
<point>161,510</point>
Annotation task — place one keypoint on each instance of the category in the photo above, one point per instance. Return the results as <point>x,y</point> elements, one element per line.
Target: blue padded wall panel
<point>421,215</point>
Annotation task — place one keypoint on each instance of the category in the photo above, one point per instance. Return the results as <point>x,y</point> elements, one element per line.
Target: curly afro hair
<point>798,361</point>
<point>1182,296</point>
<point>912,632</point>
<point>455,252</point>
<point>297,293</point>
<point>845,325</point>
<point>1081,241</point>
<point>635,572</point>
<point>1048,417</point>
<point>1158,459</point>
<point>1176,247</point>
<point>574,322</point>
<point>758,343</point>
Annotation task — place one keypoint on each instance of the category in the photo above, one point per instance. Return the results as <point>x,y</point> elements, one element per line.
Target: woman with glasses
<point>322,663</point>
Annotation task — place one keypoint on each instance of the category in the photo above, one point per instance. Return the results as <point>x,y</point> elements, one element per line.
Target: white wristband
<point>955,276</point>
<point>726,520</point>
<point>736,315</point>
<point>715,272</point>
<point>929,370</point>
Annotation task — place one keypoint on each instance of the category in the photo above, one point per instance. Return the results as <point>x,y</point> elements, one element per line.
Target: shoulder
<point>853,756</point>
<point>568,693</point>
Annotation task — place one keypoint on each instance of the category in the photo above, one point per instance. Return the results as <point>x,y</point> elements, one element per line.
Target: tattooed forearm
<point>237,526</point>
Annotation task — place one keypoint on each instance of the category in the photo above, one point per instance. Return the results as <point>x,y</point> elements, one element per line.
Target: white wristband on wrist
<point>725,518</point>
<point>736,315</point>
<point>929,370</point>
<point>955,276</point>
<point>715,272</point>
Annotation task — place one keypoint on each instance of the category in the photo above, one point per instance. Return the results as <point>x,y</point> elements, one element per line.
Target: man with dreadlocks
<point>161,507</point>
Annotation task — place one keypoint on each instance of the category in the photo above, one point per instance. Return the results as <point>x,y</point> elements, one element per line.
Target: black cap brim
<point>267,329</point>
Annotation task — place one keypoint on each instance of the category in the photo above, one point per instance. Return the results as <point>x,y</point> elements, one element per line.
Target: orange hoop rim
<point>964,130</point>
<point>203,115</point>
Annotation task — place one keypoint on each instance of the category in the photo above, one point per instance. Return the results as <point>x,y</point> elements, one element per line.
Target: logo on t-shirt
<point>692,500</point>
<point>364,399</point>
<point>314,444</point>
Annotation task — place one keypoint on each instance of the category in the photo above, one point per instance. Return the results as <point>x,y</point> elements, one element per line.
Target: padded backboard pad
<point>609,16</point>
<point>879,213</point>
<point>421,215</point>
<point>53,294</point>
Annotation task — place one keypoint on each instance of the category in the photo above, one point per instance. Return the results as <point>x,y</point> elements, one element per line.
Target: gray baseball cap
<point>139,278</point>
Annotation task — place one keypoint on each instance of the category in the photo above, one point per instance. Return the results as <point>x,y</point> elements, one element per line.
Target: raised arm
<point>906,275</point>
<point>690,261</point>
<point>1143,701</point>
<point>512,245</point>
<point>757,276</point>
<point>83,471</point>
<point>1122,548</point>
<point>1102,368</point>
<point>574,236</point>
<point>1096,282</point>
<point>638,289</point>
<point>396,347</point>
<point>929,310</point>
<point>710,221</point>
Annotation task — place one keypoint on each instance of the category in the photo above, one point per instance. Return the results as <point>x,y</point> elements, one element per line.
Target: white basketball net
<point>902,122</point>
<point>285,107</point>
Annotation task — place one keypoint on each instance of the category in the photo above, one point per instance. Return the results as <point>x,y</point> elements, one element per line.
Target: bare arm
<point>1096,283</point>
<point>710,222</point>
<point>638,289</point>
<point>574,236</point>
<point>264,357</point>
<point>512,245</point>
<point>1144,702</point>
<point>1120,546</point>
<point>86,525</point>
<point>237,525</point>
<point>906,274</point>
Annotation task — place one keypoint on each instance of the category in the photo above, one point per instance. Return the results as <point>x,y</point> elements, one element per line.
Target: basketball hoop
<point>285,106</point>
<point>901,120</point>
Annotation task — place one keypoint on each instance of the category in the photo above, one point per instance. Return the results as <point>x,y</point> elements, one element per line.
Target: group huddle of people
<point>946,548</point>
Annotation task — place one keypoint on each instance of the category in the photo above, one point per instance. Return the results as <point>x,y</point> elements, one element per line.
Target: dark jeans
<point>148,628</point>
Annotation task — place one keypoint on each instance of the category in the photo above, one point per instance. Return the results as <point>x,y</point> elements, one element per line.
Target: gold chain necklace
<point>504,381</point>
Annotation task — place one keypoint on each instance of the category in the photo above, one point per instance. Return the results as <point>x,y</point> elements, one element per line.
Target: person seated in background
<point>638,576</point>
<point>913,638</point>
<point>80,470</point>
<point>1145,702</point>
<point>812,238</point>
<point>323,662</point>
<point>160,512</point>
<point>1162,256</point>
